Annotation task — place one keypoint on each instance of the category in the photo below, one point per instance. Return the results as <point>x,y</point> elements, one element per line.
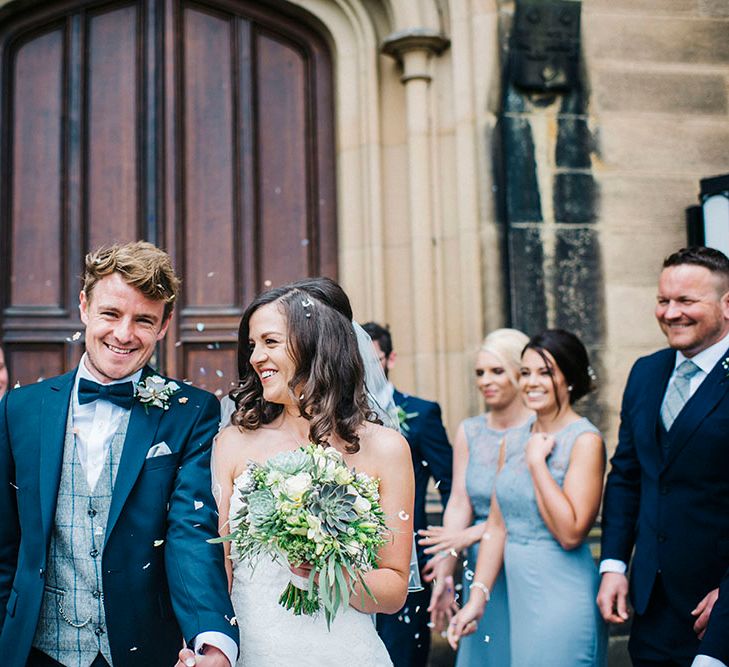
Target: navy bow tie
<point>121,393</point>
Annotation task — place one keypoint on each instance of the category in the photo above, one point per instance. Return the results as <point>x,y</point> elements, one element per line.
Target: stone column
<point>413,49</point>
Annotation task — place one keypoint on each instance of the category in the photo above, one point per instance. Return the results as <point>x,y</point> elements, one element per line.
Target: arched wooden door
<point>205,127</point>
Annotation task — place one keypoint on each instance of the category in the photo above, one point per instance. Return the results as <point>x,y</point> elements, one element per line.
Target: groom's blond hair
<point>141,265</point>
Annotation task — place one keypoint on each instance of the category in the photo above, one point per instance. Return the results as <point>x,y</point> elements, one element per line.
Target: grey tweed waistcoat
<point>72,624</point>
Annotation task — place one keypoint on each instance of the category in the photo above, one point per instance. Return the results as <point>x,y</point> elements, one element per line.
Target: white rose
<point>332,454</point>
<point>362,505</point>
<point>295,487</point>
<point>343,476</point>
<point>273,481</point>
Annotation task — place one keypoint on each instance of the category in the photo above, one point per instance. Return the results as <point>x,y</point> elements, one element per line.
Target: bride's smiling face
<point>269,353</point>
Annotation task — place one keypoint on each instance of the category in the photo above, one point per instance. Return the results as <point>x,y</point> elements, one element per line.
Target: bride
<point>302,380</point>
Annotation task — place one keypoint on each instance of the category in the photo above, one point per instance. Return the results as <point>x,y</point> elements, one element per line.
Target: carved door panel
<point>203,127</point>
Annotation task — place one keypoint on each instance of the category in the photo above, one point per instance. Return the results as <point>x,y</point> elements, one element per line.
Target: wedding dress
<point>271,636</point>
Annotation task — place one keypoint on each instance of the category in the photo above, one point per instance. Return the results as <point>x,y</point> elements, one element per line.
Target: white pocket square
<point>160,449</point>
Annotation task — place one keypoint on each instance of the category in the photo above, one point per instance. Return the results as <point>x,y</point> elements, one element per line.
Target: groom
<point>105,500</point>
<point>667,494</point>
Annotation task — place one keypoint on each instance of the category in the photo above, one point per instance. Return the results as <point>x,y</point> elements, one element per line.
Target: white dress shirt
<point>94,426</point>
<point>705,360</point>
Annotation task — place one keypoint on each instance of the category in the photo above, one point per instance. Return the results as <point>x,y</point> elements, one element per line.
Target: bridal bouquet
<point>307,506</point>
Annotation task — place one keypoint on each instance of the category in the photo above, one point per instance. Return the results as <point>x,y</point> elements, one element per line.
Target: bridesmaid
<point>475,462</point>
<point>547,497</point>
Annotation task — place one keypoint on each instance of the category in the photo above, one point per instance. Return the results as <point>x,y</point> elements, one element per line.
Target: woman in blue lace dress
<point>547,496</point>
<point>475,462</point>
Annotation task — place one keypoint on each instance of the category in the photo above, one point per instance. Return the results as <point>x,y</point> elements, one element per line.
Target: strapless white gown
<point>271,636</point>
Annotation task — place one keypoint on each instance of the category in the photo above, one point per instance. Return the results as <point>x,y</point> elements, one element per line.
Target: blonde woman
<point>475,464</point>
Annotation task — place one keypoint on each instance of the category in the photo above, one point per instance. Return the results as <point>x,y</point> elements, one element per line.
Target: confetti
<point>468,574</point>
<point>16,385</point>
<point>211,274</point>
<point>267,283</point>
<point>437,484</point>
<point>459,587</point>
<point>431,625</point>
<point>15,486</point>
<point>219,373</point>
<point>218,392</point>
<point>159,543</point>
<point>144,567</point>
<point>304,242</point>
<point>98,530</point>
<point>76,336</point>
<point>198,504</point>
<point>203,371</point>
<point>407,619</point>
<point>40,378</point>
<point>178,343</point>
<point>134,648</point>
<point>487,639</point>
<point>183,400</point>
<point>417,609</point>
<point>453,553</point>
<point>403,515</point>
<point>200,326</point>
<point>425,464</point>
<point>416,635</point>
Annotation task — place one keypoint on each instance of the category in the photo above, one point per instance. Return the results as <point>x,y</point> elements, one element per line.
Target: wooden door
<point>205,127</point>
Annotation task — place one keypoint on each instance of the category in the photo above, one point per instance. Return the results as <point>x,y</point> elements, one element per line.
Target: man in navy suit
<point>667,494</point>
<point>105,494</point>
<point>406,633</point>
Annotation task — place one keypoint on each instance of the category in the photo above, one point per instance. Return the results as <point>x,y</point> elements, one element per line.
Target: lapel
<point>398,397</point>
<point>710,392</point>
<point>141,431</point>
<point>53,416</point>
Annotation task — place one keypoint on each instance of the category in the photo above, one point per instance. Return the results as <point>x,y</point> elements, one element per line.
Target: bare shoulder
<point>235,446</point>
<point>589,446</point>
<point>384,447</point>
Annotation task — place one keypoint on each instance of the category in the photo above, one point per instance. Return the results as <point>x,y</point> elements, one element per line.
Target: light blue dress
<point>489,645</point>
<point>554,617</point>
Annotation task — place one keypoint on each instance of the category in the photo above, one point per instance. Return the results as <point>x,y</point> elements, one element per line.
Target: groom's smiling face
<point>122,328</point>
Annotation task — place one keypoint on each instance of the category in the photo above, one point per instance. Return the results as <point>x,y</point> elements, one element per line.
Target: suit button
<point>94,553</point>
<point>665,489</point>
<point>99,631</point>
<point>96,595</point>
<point>91,512</point>
<point>662,537</point>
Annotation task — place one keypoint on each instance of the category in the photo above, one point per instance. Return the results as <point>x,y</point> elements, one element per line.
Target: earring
<point>570,388</point>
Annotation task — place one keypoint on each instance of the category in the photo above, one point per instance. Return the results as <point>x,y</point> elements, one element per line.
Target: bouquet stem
<point>297,598</point>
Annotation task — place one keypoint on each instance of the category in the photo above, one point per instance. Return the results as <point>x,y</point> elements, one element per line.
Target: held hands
<point>210,657</point>
<point>612,598</point>
<point>703,611</point>
<point>538,448</point>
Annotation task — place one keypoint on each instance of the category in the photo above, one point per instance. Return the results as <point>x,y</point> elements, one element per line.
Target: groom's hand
<point>703,611</point>
<point>612,598</point>
<point>209,657</point>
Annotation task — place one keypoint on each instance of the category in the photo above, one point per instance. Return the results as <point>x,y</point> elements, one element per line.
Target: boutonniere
<point>154,391</point>
<point>725,366</point>
<point>402,418</point>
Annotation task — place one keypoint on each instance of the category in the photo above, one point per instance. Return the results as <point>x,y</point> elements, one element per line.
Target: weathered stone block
<point>575,198</point>
<point>578,284</point>
<point>661,145</point>
<point>690,93</point>
<point>522,199</point>
<point>713,8</point>
<point>657,39</point>
<point>526,279</point>
<point>574,143</point>
<point>670,7</point>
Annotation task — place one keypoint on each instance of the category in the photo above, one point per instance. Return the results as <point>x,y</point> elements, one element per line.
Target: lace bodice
<point>271,636</point>
<point>514,487</point>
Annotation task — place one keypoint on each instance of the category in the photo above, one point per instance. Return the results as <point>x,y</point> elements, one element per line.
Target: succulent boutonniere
<point>154,391</point>
<point>402,418</point>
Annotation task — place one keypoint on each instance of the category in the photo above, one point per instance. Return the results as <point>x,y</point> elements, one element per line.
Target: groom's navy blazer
<point>162,581</point>
<point>672,503</point>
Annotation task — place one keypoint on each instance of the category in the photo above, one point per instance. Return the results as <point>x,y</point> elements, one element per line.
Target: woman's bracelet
<point>482,587</point>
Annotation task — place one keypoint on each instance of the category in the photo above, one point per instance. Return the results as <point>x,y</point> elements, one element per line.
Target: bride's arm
<point>389,582</point>
<point>224,464</point>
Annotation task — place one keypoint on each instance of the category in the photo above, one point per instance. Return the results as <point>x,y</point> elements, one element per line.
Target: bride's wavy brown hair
<point>329,372</point>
